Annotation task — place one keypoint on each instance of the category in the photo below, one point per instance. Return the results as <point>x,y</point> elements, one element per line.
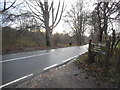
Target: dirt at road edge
<point>66,76</point>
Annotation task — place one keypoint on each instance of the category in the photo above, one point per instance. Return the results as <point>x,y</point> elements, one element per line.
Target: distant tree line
<point>103,19</point>
<point>20,40</point>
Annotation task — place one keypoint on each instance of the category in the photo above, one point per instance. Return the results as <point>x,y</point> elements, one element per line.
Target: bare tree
<point>5,7</point>
<point>45,12</point>
<point>93,22</point>
<point>103,14</point>
<point>76,19</point>
<point>6,10</point>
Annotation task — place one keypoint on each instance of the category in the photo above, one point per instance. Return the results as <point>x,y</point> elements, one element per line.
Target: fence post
<point>89,52</point>
<point>113,40</point>
<point>118,67</point>
<point>107,55</point>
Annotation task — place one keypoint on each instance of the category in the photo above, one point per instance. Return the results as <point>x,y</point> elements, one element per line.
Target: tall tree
<point>45,12</point>
<point>6,7</point>
<point>76,19</point>
<point>104,13</point>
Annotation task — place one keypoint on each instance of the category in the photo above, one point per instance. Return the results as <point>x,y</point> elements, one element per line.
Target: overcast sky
<point>62,26</point>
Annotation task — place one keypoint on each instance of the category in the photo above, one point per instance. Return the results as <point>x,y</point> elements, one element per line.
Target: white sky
<point>63,26</point>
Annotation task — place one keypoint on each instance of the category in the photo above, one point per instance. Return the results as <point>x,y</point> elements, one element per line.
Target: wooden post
<point>89,52</point>
<point>113,40</point>
<point>107,55</point>
<point>119,70</point>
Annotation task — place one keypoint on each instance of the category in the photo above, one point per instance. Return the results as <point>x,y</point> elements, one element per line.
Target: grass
<point>97,71</point>
<point>25,42</point>
<point>81,59</point>
<point>118,46</point>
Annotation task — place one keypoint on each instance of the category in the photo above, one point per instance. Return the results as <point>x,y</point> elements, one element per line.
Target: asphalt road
<point>15,66</point>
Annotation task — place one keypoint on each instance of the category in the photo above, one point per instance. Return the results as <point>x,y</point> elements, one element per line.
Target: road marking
<point>74,57</point>
<point>41,51</point>
<point>50,66</point>
<point>53,50</point>
<point>69,59</point>
<point>16,80</point>
<point>14,59</point>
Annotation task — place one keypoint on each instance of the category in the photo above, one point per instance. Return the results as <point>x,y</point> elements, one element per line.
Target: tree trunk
<point>80,20</point>
<point>100,35</point>
<point>48,37</point>
<point>107,56</point>
<point>105,19</point>
<point>80,39</point>
<point>77,38</point>
<point>99,23</point>
<point>46,18</point>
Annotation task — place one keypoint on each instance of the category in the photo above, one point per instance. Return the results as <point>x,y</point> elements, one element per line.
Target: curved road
<point>22,65</point>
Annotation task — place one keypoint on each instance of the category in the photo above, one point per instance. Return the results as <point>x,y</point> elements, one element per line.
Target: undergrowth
<point>96,69</point>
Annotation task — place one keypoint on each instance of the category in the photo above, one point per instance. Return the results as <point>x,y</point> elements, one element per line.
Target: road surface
<point>18,66</point>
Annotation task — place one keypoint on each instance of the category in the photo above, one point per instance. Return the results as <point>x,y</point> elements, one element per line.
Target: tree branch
<point>5,9</point>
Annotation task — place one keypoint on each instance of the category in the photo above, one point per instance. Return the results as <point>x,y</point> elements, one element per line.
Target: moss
<point>118,46</point>
<point>97,68</point>
<point>81,59</point>
<point>25,42</point>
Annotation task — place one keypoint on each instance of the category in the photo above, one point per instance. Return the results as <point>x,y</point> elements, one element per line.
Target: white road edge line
<point>70,59</point>
<point>15,80</point>
<point>50,66</point>
<point>14,59</point>
<point>41,51</point>
<point>73,57</point>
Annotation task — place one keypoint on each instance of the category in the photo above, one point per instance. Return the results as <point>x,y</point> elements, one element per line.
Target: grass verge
<point>94,70</point>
